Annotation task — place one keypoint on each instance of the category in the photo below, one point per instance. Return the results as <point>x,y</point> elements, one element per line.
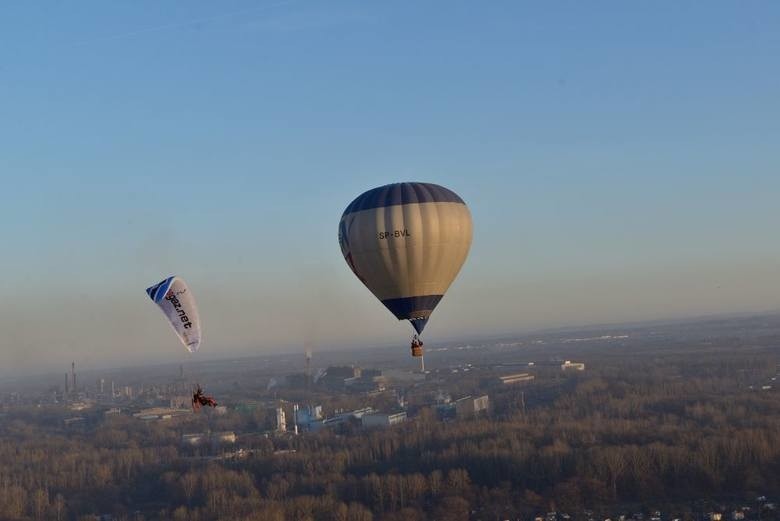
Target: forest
<point>673,430</point>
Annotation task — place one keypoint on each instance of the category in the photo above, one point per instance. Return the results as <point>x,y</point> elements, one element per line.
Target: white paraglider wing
<point>177,302</point>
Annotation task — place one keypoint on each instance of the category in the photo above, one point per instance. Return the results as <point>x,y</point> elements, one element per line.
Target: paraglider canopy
<point>177,302</point>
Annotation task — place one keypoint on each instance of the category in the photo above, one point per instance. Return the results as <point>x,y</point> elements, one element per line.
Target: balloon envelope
<point>407,242</point>
<point>177,302</point>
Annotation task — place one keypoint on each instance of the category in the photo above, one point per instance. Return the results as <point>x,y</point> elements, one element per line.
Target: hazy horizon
<point>613,175</point>
<point>163,358</point>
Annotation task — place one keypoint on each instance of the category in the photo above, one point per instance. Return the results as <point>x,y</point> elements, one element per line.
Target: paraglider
<point>199,399</point>
<point>175,299</point>
<point>407,242</point>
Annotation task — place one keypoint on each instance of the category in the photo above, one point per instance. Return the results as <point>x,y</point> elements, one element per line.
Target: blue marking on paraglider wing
<point>402,193</point>
<point>163,289</point>
<point>150,291</point>
<point>412,308</point>
<point>158,291</point>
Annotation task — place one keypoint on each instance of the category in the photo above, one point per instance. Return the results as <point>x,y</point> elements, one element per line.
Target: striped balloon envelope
<point>407,242</point>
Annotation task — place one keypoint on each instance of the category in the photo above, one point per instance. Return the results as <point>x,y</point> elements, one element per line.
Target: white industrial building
<point>193,439</point>
<point>572,366</point>
<point>470,406</point>
<point>516,378</point>
<point>215,438</point>
<point>381,419</point>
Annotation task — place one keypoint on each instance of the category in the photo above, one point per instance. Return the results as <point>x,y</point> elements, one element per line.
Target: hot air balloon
<point>407,242</point>
<point>177,302</point>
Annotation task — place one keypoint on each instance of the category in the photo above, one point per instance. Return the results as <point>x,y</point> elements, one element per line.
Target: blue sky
<point>620,161</point>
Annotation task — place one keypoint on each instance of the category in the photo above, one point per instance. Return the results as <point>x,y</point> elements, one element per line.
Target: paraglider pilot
<point>199,399</point>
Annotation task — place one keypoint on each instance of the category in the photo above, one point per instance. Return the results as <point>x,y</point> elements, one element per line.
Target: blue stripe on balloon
<point>418,324</point>
<point>410,308</point>
<point>402,193</point>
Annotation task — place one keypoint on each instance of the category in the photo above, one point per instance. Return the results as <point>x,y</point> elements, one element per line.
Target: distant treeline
<point>658,432</point>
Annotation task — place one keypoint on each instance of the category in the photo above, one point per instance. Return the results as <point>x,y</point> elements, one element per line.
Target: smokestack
<point>73,374</point>
<point>308,369</point>
<point>281,423</point>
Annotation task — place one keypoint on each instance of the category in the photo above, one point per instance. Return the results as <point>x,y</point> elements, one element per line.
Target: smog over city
<point>354,261</point>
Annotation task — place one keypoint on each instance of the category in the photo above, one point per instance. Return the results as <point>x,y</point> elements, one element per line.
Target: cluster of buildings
<point>144,402</point>
<point>78,396</point>
<point>757,512</point>
<point>159,402</point>
<point>338,378</point>
<point>311,419</point>
<point>463,408</point>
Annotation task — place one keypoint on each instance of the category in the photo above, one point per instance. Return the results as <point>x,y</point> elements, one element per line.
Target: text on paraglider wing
<point>394,234</point>
<point>182,314</point>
